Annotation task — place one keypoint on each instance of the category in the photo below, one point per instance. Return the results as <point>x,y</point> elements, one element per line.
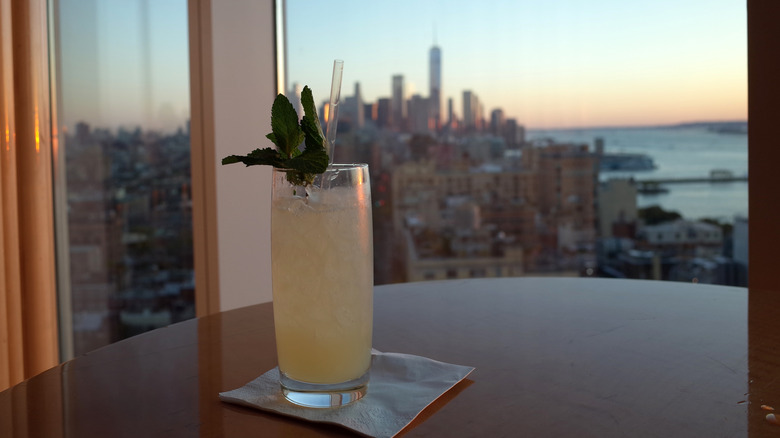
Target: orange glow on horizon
<point>326,112</point>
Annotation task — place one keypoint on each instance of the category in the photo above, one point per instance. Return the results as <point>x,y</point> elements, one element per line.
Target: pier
<point>705,179</point>
<point>654,185</point>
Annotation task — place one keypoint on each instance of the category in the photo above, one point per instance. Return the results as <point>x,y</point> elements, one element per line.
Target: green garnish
<point>287,134</point>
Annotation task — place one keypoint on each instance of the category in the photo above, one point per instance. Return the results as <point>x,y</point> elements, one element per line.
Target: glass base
<point>315,395</point>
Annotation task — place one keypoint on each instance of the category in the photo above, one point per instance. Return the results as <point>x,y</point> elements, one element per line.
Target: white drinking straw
<point>333,107</point>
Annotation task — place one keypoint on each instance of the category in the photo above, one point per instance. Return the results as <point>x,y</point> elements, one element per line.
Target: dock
<point>705,179</point>
<point>653,185</point>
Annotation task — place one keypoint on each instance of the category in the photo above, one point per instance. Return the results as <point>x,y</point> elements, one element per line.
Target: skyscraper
<point>472,115</point>
<point>398,104</point>
<point>383,113</point>
<point>359,111</point>
<point>435,87</point>
<point>418,116</point>
<point>514,133</point>
<point>352,109</point>
<point>450,113</point>
<point>497,121</point>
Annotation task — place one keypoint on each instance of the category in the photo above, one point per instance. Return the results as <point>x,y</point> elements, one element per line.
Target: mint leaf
<point>267,156</point>
<point>311,123</point>
<point>313,134</point>
<point>309,161</point>
<point>287,133</point>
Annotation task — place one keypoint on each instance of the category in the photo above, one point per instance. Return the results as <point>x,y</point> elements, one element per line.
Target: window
<point>123,83</point>
<point>580,112</point>
<point>763,92</point>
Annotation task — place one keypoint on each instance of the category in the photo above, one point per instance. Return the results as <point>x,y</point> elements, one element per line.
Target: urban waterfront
<point>467,190</point>
<point>445,136</point>
<point>678,151</point>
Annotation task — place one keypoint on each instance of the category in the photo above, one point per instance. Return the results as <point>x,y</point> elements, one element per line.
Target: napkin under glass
<point>401,386</point>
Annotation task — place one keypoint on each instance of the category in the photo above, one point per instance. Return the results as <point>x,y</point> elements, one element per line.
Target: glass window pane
<point>123,73</point>
<point>523,138</point>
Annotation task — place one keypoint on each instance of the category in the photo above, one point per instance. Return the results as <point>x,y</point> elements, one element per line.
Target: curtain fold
<point>11,356</point>
<point>28,312</point>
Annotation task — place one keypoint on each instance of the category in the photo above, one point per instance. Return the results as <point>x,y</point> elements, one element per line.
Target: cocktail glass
<point>322,269</point>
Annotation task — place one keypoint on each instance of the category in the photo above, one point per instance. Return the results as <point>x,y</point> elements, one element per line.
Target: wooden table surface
<point>553,357</point>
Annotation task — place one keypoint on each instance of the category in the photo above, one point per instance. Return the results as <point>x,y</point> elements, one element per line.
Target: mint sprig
<point>288,134</point>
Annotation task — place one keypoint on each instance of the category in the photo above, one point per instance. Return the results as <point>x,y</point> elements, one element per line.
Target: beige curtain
<point>28,300</point>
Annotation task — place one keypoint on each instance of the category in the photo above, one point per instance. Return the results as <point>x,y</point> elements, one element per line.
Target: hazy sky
<point>556,63</point>
<point>561,63</point>
<point>124,63</point>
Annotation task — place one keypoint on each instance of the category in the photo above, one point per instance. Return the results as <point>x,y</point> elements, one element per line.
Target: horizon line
<point>638,126</point>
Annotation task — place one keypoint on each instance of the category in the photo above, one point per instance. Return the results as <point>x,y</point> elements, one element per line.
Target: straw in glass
<point>333,107</point>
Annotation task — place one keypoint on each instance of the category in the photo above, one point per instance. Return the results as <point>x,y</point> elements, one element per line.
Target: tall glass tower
<point>435,88</point>
<point>397,104</point>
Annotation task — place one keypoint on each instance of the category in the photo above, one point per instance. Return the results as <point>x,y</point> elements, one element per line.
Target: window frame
<point>232,90</point>
<point>222,278</point>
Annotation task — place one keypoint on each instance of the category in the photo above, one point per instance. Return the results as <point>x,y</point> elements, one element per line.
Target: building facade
<point>434,96</point>
<point>398,102</point>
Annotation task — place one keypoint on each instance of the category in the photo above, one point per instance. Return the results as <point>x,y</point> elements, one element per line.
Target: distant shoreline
<point>727,126</point>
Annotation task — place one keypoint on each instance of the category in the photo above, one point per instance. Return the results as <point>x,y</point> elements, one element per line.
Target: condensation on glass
<point>122,74</point>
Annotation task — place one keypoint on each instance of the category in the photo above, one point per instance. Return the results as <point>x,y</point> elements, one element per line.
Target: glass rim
<point>331,167</point>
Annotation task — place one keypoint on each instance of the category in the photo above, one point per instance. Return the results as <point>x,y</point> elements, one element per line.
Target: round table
<point>554,357</point>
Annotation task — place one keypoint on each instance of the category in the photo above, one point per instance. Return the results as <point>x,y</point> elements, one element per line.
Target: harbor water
<point>686,151</point>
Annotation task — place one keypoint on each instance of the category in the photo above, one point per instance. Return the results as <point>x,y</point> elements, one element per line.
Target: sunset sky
<point>563,63</point>
<point>124,63</point>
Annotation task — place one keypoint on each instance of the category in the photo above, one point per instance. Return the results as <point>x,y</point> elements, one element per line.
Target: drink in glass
<point>322,269</point>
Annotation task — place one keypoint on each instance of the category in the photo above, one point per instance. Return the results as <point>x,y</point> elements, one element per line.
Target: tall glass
<point>322,268</point>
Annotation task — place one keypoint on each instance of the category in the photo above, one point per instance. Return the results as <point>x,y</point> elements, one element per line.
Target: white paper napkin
<point>401,386</point>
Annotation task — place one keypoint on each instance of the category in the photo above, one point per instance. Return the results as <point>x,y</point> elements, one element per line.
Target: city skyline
<point>571,64</point>
<point>450,206</point>
<point>559,65</point>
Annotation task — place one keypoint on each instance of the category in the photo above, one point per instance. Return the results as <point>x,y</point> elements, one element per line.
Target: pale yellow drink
<point>322,271</point>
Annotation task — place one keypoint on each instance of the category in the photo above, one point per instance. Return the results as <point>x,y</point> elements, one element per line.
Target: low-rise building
<point>682,233</point>
<point>434,256</point>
